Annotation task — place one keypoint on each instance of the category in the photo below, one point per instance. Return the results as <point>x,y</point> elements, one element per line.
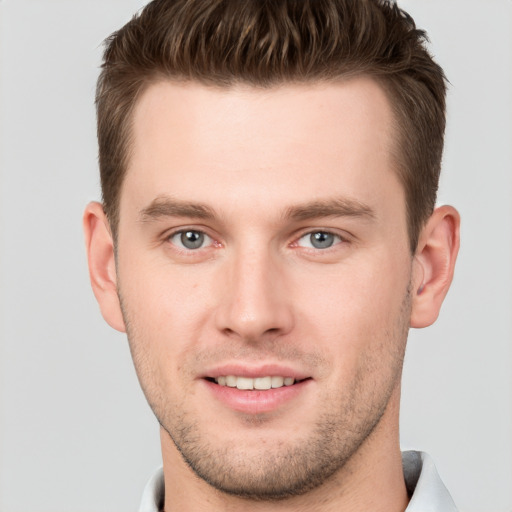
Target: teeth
<point>261,383</point>
<point>231,381</point>
<point>277,382</point>
<point>244,383</point>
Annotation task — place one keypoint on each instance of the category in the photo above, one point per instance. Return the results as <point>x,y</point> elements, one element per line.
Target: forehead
<point>219,144</point>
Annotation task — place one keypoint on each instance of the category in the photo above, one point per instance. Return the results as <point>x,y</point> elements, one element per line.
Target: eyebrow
<point>338,207</point>
<point>164,206</point>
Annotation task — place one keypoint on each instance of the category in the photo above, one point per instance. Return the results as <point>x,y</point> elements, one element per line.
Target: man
<point>267,237</point>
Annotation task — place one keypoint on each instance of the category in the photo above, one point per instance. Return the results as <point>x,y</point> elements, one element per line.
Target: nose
<point>254,303</point>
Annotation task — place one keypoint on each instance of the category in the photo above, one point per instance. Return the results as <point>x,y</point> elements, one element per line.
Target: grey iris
<point>192,239</point>
<point>321,240</point>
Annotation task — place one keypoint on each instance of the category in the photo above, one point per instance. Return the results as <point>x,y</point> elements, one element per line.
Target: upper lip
<point>255,371</point>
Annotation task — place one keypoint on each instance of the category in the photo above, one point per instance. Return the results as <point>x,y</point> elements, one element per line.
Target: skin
<point>256,172</point>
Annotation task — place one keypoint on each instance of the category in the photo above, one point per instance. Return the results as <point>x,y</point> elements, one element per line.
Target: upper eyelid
<point>327,231</point>
<point>344,235</point>
<point>182,229</point>
<point>309,233</point>
<point>168,234</point>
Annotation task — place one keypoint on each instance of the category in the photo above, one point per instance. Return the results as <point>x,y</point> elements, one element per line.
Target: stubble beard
<point>290,468</point>
<point>285,471</point>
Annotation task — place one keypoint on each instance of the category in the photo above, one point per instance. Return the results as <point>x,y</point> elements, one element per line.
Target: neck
<point>372,479</point>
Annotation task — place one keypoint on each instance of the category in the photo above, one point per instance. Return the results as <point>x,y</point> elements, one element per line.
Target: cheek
<point>164,294</point>
<point>354,306</point>
<point>165,307</point>
<point>367,288</point>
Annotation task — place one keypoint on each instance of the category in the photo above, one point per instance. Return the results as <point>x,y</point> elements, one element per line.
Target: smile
<point>262,392</point>
<point>258,383</point>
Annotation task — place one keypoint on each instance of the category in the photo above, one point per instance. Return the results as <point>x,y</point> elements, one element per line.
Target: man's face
<point>263,241</point>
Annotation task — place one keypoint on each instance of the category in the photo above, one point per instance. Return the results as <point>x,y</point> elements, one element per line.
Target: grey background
<point>75,431</point>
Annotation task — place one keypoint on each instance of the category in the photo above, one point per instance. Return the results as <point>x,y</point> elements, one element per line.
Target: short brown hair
<point>268,42</point>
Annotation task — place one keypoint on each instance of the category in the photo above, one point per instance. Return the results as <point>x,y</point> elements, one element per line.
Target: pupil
<point>322,240</point>
<point>192,239</point>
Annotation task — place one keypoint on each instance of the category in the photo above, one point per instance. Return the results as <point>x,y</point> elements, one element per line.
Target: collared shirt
<point>428,493</point>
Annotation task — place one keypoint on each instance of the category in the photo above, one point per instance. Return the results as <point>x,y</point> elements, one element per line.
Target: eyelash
<point>338,239</point>
<point>187,250</point>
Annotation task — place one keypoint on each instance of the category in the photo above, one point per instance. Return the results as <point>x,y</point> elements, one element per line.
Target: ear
<point>434,264</point>
<point>102,264</point>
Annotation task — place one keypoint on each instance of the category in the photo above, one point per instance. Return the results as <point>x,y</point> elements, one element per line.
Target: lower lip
<point>256,401</point>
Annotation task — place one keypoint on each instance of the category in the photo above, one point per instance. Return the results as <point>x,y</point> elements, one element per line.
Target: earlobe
<point>434,264</point>
<point>102,265</point>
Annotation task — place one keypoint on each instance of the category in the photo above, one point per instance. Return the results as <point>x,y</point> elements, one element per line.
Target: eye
<point>319,240</point>
<point>190,239</point>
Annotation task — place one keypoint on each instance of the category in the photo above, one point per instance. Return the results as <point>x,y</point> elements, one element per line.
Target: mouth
<point>257,391</point>
<point>257,383</point>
